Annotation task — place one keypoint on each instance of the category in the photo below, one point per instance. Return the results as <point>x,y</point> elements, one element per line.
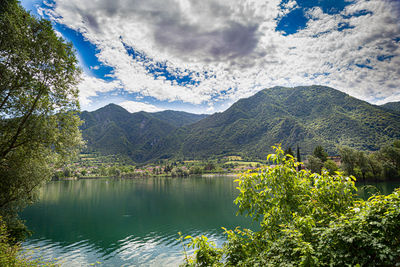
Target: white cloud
<point>91,86</point>
<point>134,106</point>
<point>235,42</point>
<point>288,7</point>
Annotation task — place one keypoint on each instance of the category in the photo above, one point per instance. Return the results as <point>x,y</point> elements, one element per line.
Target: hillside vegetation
<point>305,116</point>
<point>113,130</point>
<point>393,106</point>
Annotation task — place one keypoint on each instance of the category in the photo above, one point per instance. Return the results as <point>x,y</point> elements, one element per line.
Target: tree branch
<point>7,201</point>
<point>21,125</point>
<point>5,99</point>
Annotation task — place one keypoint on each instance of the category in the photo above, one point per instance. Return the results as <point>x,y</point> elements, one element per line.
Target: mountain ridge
<point>113,130</point>
<point>393,106</point>
<point>305,115</point>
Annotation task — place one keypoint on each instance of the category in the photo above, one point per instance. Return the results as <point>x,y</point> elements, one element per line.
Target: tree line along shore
<point>382,165</point>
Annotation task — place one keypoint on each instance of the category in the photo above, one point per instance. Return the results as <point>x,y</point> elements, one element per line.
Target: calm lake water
<point>129,222</point>
<point>134,222</point>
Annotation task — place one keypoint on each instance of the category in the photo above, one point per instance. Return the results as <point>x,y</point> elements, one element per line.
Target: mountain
<point>306,116</point>
<point>178,118</point>
<point>113,130</point>
<point>393,106</point>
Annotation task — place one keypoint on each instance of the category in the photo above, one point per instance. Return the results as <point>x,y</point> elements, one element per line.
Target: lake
<point>133,222</point>
<point>129,222</point>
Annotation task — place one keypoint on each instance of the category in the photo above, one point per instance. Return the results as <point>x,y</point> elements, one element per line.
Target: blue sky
<point>201,56</point>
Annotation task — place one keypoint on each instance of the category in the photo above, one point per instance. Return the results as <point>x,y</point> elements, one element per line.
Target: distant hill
<point>113,130</point>
<point>306,116</point>
<point>178,118</point>
<point>394,106</point>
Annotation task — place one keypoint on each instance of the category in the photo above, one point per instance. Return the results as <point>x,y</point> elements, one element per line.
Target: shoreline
<point>206,175</point>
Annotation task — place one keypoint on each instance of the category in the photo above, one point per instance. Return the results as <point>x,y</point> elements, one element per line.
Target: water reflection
<point>366,190</point>
<point>129,222</point>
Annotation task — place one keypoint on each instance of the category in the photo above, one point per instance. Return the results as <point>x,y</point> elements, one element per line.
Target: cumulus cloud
<point>134,106</point>
<point>231,49</point>
<point>91,86</point>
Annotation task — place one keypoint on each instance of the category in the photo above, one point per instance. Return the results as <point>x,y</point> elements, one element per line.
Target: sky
<point>202,56</point>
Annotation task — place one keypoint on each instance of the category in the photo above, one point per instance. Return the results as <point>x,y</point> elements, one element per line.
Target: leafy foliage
<point>289,151</point>
<point>331,166</point>
<point>307,219</point>
<point>314,164</point>
<point>38,100</point>
<point>207,253</point>
<point>381,165</point>
<point>319,152</point>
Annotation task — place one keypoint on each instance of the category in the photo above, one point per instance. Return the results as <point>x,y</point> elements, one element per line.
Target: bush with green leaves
<point>331,166</point>
<point>306,219</point>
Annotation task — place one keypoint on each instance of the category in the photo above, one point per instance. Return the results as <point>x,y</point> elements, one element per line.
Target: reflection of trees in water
<point>367,190</point>
<point>106,211</point>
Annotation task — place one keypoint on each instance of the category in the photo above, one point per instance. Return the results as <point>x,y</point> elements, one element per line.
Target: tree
<point>331,166</point>
<point>38,105</point>
<point>360,164</point>
<point>390,156</point>
<point>168,168</point>
<point>298,154</point>
<point>349,159</point>
<point>298,157</point>
<point>320,153</point>
<point>209,166</point>
<point>289,151</point>
<point>306,219</point>
<point>363,163</point>
<point>67,172</point>
<point>314,164</point>
<point>376,167</point>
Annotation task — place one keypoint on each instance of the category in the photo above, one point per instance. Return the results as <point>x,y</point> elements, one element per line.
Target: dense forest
<point>301,116</point>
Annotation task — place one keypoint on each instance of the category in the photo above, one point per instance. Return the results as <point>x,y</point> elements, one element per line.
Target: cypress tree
<point>298,154</point>
<point>298,158</point>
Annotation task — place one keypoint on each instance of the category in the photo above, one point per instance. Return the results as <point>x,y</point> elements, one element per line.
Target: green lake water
<point>130,222</point>
<point>365,190</point>
<point>134,222</point>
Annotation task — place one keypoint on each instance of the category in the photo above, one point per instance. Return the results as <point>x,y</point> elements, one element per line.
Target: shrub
<point>306,219</point>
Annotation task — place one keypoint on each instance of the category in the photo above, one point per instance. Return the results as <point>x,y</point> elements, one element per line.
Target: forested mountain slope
<point>306,116</point>
<point>113,130</point>
<point>394,106</point>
